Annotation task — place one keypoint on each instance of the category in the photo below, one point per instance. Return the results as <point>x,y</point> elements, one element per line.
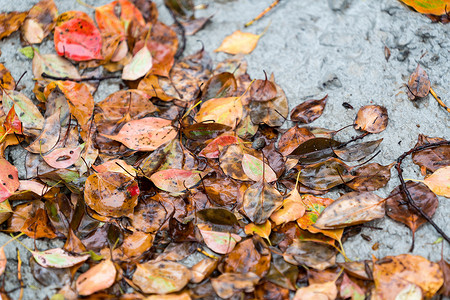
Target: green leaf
<point>28,51</point>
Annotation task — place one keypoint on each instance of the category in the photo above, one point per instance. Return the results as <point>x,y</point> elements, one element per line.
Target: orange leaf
<point>239,42</point>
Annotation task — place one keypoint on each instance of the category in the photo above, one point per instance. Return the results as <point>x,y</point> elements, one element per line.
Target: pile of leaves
<point>188,163</point>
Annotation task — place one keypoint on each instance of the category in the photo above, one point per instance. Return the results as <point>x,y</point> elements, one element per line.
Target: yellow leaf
<point>239,42</point>
<point>227,111</point>
<point>439,182</point>
<point>263,230</point>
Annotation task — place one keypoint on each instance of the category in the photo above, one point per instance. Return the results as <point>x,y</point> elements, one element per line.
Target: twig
<point>405,191</point>
<point>352,140</point>
<point>263,13</point>
<point>18,81</point>
<point>93,78</point>
<point>439,100</point>
<point>19,274</point>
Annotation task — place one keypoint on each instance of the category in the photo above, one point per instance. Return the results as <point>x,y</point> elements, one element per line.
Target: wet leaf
<point>39,22</point>
<point>371,118</point>
<point>445,267</point>
<point>272,113</point>
<point>54,65</point>
<point>11,22</point>
<point>292,138</point>
<point>205,131</point>
<point>394,275</point>
<point>212,150</point>
<point>358,269</point>
<point>81,102</point>
<point>219,242</point>
<point>139,65</point>
<point>291,209</point>
<point>145,134</point>
<point>161,277</point>
<point>97,278</point>
<point>111,193</point>
<point>62,158</point>
<point>263,90</point>
<point>250,255</point>
<point>370,177</point>
<point>48,137</point>
<point>263,230</point>
<point>439,182</point>
<point>419,84</point>
<point>431,159</point>
<point>323,291</point>
<point>325,175</point>
<point>314,255</point>
<point>220,86</point>
<point>260,201</point>
<point>8,82</point>
<point>357,151</point>
<point>256,170</point>
<point>227,111</point>
<point>230,162</point>
<point>308,111</point>
<point>78,39</point>
<point>203,269</point>
<point>398,209</point>
<point>314,207</point>
<point>351,209</point>
<point>57,258</point>
<point>8,178</point>
<point>30,116</point>
<point>134,103</point>
<point>438,7</point>
<point>282,273</point>
<point>175,180</point>
<point>228,284</point>
<point>315,150</point>
<point>3,261</point>
<point>219,216</point>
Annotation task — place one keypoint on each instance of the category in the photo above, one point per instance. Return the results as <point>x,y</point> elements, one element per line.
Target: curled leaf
<point>308,111</point>
<point>371,118</point>
<point>97,278</point>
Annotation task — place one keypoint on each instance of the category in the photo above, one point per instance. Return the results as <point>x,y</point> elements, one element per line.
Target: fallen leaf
<point>256,170</point>
<point>8,82</point>
<point>219,242</point>
<point>315,150</point>
<point>226,111</point>
<point>292,138</point>
<point>398,209</point>
<point>323,291</point>
<point>308,111</point>
<point>111,193</point>
<point>351,209</point>
<point>431,159</point>
<point>62,158</point>
<point>228,284</point>
<point>9,179</point>
<point>371,118</point>
<point>439,182</point>
<point>139,65</point>
<point>291,209</point>
<point>203,269</point>
<point>39,22</point>
<point>370,177</point>
<point>260,201</point>
<point>78,39</point>
<point>325,175</point>
<point>314,255</point>
<point>48,137</point>
<point>434,7</point>
<point>97,278</point>
<point>239,42</point>
<point>175,180</point>
<point>161,277</point>
<point>212,149</point>
<point>11,22</point>
<point>394,275</point>
<point>419,84</point>
<point>357,151</point>
<point>57,258</point>
<point>263,230</point>
<point>145,134</point>
<point>53,65</point>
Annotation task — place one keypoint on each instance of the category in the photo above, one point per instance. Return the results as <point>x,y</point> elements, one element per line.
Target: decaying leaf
<point>57,258</point>
<point>226,111</point>
<point>308,111</point>
<point>260,201</point>
<point>161,277</point>
<point>145,134</point>
<point>97,278</point>
<point>418,85</point>
<point>11,22</point>
<point>139,65</point>
<point>371,118</point>
<point>228,284</point>
<point>433,7</point>
<point>431,159</point>
<point>256,170</point>
<point>370,177</point>
<point>351,209</point>
<point>9,179</point>
<point>325,175</point>
<point>291,209</point>
<point>175,180</point>
<point>312,254</point>
<point>398,272</point>
<point>398,209</point>
<point>357,151</point>
<point>39,22</point>
<point>220,242</point>
<point>322,291</point>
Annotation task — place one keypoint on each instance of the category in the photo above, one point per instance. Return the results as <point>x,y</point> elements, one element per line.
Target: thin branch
<point>405,191</point>
<point>93,78</point>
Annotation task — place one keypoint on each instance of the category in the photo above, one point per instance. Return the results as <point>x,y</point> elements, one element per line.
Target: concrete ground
<point>333,47</point>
